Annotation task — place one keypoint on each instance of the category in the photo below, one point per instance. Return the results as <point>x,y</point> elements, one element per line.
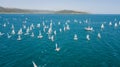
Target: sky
<point>91,6</point>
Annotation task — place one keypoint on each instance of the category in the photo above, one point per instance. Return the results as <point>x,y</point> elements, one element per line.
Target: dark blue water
<point>104,52</point>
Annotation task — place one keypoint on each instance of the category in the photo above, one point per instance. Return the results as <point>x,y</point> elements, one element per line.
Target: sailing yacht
<point>89,28</point>
<point>4,25</point>
<point>13,32</point>
<point>34,64</point>
<point>99,36</point>
<point>115,24</point>
<point>60,30</point>
<point>12,27</point>
<point>56,47</point>
<point>38,25</point>
<point>32,35</point>
<point>55,32</point>
<point>52,38</point>
<point>8,36</point>
<point>110,23</point>
<point>20,31</point>
<point>67,27</point>
<point>24,26</point>
<point>102,26</point>
<point>75,37</point>
<point>88,37</point>
<point>40,35</point>
<point>19,37</point>
<point>59,23</point>
<point>27,31</point>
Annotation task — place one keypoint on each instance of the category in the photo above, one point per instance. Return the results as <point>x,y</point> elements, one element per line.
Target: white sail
<point>88,37</point>
<point>56,47</point>
<point>34,64</point>
<point>75,37</point>
<point>99,36</point>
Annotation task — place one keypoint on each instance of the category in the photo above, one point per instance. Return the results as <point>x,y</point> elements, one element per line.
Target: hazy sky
<point>92,6</point>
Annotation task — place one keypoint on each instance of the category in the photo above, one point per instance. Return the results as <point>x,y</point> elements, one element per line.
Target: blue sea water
<point>104,52</point>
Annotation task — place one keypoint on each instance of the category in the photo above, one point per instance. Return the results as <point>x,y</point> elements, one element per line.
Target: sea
<point>18,49</point>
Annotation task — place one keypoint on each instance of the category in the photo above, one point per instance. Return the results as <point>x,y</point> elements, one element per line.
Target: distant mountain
<point>16,10</point>
<point>70,12</point>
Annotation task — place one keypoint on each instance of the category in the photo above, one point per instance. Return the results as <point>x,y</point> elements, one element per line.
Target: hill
<point>17,10</point>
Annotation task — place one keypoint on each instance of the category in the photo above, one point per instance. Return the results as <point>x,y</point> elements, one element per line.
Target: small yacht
<point>44,29</point>
<point>75,37</point>
<point>32,26</point>
<point>55,32</point>
<point>50,30</point>
<point>13,32</point>
<point>24,26</point>
<point>38,25</point>
<point>52,38</point>
<point>8,36</point>
<point>19,37</point>
<point>89,28</point>
<point>56,47</point>
<point>102,26</point>
<point>68,27</point>
<point>27,31</point>
<point>40,35</point>
<point>20,31</point>
<point>59,23</point>
<point>32,35</point>
<point>110,23</point>
<point>12,27</point>
<point>4,25</point>
<point>64,28</point>
<point>86,21</point>
<point>99,36</point>
<point>60,30</point>
<point>115,24</point>
<point>34,64</point>
<point>88,37</point>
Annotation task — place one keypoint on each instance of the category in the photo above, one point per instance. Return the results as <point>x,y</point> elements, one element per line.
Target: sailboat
<point>75,37</point>
<point>102,26</point>
<point>38,25</point>
<point>27,31</point>
<point>20,31</point>
<point>55,32</point>
<point>24,26</point>
<point>4,25</point>
<point>9,36</point>
<point>19,37</point>
<point>60,30</point>
<point>13,32</point>
<point>67,27</point>
<point>88,37</point>
<point>34,64</point>
<point>56,47</point>
<point>12,27</point>
<point>115,24</point>
<point>52,38</point>
<point>110,23</point>
<point>99,36</point>
<point>59,23</point>
<point>32,35</point>
<point>40,35</point>
<point>89,28</point>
